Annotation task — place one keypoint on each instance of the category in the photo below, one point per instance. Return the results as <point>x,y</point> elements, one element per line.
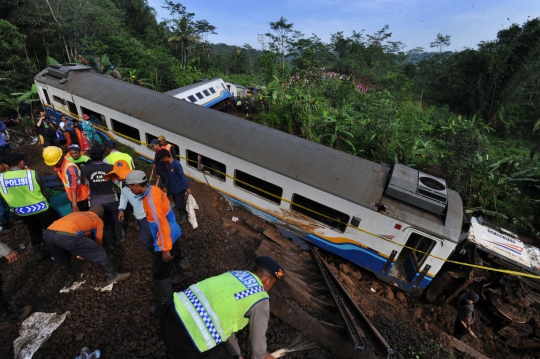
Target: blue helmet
<point>112,67</point>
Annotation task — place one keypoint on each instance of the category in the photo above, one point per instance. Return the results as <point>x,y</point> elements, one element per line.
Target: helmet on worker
<point>52,155</point>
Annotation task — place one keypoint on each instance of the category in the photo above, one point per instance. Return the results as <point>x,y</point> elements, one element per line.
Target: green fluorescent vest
<point>117,156</point>
<point>215,308</point>
<point>22,192</point>
<point>81,159</point>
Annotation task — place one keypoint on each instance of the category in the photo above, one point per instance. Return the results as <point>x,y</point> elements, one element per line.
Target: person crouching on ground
<point>202,321</point>
<point>165,231</point>
<point>69,235</point>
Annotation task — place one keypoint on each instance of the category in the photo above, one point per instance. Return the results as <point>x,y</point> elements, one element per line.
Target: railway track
<point>314,302</point>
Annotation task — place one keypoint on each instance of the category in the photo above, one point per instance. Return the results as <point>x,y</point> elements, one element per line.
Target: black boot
<point>69,278</point>
<point>119,234</point>
<point>16,315</point>
<point>164,287</point>
<point>106,243</point>
<point>183,216</point>
<point>110,271</point>
<point>40,253</point>
<point>184,272</point>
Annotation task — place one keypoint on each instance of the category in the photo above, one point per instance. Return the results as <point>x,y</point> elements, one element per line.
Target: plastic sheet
<point>191,206</point>
<point>35,331</point>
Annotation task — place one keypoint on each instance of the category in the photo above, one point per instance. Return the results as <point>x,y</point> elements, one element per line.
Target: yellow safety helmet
<point>52,155</point>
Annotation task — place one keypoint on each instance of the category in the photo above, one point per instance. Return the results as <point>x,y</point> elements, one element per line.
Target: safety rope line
<point>506,271</point>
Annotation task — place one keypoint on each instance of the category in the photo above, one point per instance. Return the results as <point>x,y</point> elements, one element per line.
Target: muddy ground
<point>121,326</point>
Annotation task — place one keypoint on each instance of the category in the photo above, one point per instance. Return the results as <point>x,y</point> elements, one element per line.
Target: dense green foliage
<point>467,116</point>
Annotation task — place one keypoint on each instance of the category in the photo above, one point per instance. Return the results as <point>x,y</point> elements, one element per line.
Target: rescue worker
<point>176,183</point>
<point>202,321</point>
<point>76,156</point>
<point>159,166</point>
<point>167,146</point>
<point>102,192</point>
<point>69,235</point>
<point>25,194</point>
<point>119,173</point>
<point>114,155</point>
<point>116,73</point>
<point>70,175</point>
<point>465,314</point>
<point>165,232</point>
<point>7,314</point>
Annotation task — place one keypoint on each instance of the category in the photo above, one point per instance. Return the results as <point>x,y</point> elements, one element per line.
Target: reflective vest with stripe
<point>22,192</point>
<point>82,189</point>
<point>168,147</point>
<point>215,308</point>
<point>117,156</point>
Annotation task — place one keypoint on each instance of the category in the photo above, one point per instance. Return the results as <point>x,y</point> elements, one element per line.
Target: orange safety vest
<point>167,147</point>
<point>82,189</point>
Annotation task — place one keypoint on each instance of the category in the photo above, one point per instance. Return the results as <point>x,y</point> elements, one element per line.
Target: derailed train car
<point>398,223</point>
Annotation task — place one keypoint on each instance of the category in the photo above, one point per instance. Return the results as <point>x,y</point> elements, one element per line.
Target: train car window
<point>59,100</point>
<point>72,108</point>
<point>206,165</point>
<point>95,117</point>
<point>261,188</point>
<point>198,94</point>
<point>191,98</point>
<point>212,90</point>
<point>126,131</point>
<point>150,137</point>
<point>320,212</point>
<point>46,96</point>
<point>206,93</point>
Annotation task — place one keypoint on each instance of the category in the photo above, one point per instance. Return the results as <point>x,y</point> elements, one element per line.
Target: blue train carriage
<point>208,93</point>
<point>362,211</point>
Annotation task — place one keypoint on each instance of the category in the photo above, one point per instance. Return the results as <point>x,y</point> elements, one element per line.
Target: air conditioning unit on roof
<point>418,188</point>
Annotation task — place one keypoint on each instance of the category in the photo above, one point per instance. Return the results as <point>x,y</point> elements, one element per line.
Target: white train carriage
<point>207,93</point>
<point>238,91</point>
<point>357,209</point>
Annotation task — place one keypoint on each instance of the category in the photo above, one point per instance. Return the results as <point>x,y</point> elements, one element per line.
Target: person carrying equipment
<point>70,175</point>
<point>202,321</point>
<point>69,235</point>
<point>114,155</point>
<point>465,315</point>
<point>25,194</point>
<point>119,173</point>
<point>165,231</point>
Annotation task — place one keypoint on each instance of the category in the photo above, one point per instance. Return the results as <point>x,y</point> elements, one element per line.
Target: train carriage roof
<point>203,84</point>
<point>346,176</point>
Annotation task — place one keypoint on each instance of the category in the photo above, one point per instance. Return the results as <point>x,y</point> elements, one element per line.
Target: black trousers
<point>177,340</point>
<point>36,223</point>
<point>160,268</point>
<point>62,246</point>
<point>459,330</point>
<point>180,201</point>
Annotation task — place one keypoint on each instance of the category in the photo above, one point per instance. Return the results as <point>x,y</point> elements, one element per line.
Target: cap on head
<point>85,116</point>
<point>110,144</point>
<point>474,297</point>
<point>154,142</point>
<point>112,67</point>
<point>97,209</point>
<point>51,155</point>
<point>74,147</point>
<point>96,153</point>
<point>161,138</point>
<point>119,172</point>
<point>136,176</point>
<point>163,153</point>
<point>13,159</point>
<point>270,265</point>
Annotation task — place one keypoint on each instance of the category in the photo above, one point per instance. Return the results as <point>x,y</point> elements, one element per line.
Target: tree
<point>282,39</point>
<point>441,41</point>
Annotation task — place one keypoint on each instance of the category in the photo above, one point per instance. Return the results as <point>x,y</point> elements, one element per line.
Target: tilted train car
<point>360,210</point>
<point>207,93</point>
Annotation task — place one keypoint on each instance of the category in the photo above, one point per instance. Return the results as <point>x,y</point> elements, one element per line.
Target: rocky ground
<point>121,326</point>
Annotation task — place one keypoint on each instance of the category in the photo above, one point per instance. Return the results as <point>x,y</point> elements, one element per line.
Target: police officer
<point>114,155</point>
<point>25,194</point>
<point>70,175</point>
<point>198,322</point>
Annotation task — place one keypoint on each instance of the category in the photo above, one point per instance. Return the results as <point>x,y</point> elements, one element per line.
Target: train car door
<point>412,256</point>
